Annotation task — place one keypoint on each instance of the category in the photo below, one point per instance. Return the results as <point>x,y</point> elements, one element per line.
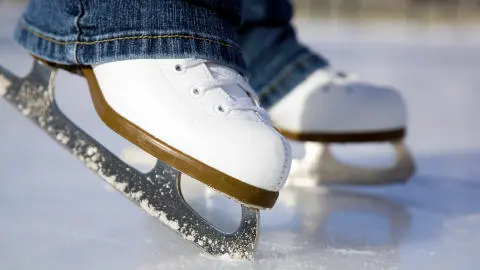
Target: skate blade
<point>320,167</point>
<point>157,192</point>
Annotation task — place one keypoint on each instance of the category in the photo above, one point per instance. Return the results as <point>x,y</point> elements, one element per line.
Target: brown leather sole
<point>382,136</point>
<point>231,187</point>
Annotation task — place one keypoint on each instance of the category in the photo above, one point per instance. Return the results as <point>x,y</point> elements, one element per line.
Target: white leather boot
<point>198,117</point>
<point>332,107</point>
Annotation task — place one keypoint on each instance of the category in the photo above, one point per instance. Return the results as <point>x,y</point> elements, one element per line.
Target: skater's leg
<point>276,60</point>
<point>309,101</point>
<point>165,75</point>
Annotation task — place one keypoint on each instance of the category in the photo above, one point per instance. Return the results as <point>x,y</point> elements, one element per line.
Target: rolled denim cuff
<point>88,34</point>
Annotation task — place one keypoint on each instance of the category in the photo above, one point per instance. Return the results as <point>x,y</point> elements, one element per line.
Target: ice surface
<point>57,215</point>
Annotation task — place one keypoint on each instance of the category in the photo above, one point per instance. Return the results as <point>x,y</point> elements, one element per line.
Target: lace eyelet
<point>220,109</point>
<point>196,92</point>
<point>178,68</point>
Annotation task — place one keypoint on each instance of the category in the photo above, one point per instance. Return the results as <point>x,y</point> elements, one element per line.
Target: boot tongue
<point>225,73</point>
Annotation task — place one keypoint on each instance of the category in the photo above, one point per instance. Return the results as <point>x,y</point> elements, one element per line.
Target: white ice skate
<point>194,116</point>
<point>332,107</point>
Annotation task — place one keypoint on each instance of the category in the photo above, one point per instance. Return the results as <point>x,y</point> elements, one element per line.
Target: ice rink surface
<point>55,214</point>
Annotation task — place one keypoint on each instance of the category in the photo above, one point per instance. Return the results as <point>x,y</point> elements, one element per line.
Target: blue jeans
<point>87,32</point>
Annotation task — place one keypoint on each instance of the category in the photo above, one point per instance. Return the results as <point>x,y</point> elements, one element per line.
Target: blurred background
<point>424,10</point>
<point>452,10</point>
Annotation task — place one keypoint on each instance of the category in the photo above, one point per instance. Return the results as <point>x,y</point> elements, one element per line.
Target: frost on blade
<point>173,224</point>
<point>62,138</point>
<point>136,195</point>
<point>4,85</point>
<point>33,101</point>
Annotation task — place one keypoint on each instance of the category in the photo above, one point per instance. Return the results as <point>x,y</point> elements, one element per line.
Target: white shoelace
<point>241,104</point>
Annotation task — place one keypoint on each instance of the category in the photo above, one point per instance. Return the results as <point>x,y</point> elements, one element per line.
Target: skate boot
<point>194,116</point>
<point>332,107</point>
<point>198,117</point>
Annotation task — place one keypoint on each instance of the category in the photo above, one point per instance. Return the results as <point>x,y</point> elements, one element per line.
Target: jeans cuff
<point>156,46</point>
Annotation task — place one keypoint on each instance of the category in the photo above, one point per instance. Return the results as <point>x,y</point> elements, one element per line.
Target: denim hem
<point>291,75</point>
<point>158,46</point>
